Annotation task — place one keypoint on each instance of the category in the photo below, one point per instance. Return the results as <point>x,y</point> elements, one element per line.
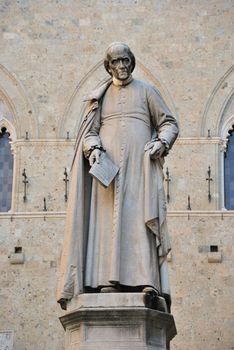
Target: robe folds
<point>118,234</point>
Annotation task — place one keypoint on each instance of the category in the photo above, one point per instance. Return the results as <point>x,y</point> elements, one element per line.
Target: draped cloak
<point>118,234</point>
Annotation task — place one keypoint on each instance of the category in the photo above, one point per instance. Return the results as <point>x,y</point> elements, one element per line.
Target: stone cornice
<point>198,140</point>
<point>42,142</point>
<point>171,213</point>
<point>33,215</point>
<point>69,142</point>
<point>201,213</point>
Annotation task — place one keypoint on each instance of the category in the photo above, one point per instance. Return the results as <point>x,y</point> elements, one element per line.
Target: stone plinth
<point>116,321</point>
<point>6,340</point>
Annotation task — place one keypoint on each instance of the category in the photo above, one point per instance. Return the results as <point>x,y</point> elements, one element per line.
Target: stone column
<point>116,321</point>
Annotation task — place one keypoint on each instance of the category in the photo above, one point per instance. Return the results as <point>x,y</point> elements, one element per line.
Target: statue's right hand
<point>95,156</point>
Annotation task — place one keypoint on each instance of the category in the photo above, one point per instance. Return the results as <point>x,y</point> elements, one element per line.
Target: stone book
<point>105,171</point>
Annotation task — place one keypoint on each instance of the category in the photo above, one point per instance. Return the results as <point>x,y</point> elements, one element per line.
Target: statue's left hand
<point>95,156</point>
<point>157,150</point>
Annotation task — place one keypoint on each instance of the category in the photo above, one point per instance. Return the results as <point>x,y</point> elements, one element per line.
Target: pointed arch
<point>94,78</point>
<point>15,106</point>
<point>219,104</point>
<point>226,115</point>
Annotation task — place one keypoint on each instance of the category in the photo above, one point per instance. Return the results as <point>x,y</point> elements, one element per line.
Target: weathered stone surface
<point>102,300</point>
<point>28,291</point>
<point>116,321</point>
<point>200,289</point>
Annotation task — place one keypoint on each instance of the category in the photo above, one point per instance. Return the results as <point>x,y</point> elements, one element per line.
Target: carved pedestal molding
<point>116,321</point>
<point>6,340</point>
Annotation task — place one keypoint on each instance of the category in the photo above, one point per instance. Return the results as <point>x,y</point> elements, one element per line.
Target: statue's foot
<point>161,304</point>
<point>110,289</point>
<point>150,290</point>
<point>153,300</point>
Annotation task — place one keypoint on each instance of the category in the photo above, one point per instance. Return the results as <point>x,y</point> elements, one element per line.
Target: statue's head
<point>119,60</point>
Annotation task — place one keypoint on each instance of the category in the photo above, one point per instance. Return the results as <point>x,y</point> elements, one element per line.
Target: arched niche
<point>220,105</point>
<point>96,76</point>
<point>15,106</point>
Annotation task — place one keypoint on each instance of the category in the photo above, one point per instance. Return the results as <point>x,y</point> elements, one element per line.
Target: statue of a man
<point>116,237</point>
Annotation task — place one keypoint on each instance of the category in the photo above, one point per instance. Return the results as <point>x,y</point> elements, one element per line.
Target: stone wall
<point>28,287</point>
<point>51,56</point>
<point>201,281</point>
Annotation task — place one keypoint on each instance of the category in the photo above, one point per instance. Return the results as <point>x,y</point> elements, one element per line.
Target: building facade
<point>51,56</point>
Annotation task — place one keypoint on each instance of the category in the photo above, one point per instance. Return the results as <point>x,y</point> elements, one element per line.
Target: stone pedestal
<point>116,321</point>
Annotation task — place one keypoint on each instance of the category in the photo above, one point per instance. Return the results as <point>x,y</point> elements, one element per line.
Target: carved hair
<point>109,51</point>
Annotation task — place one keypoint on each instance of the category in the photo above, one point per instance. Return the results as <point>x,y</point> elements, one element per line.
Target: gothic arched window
<point>229,172</point>
<point>6,170</point>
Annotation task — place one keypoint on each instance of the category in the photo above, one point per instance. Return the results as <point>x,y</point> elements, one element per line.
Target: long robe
<point>122,237</point>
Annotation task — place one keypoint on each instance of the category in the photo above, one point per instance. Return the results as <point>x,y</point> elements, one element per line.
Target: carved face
<point>120,64</point>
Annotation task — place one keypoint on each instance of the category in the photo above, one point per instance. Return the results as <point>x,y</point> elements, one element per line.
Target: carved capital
<point>223,145</point>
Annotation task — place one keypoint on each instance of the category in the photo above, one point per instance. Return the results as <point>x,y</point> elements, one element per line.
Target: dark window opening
<point>18,250</point>
<point>6,170</point>
<point>229,172</point>
<point>213,248</point>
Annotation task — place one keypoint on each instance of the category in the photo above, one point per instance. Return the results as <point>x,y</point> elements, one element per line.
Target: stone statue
<point>116,238</point>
